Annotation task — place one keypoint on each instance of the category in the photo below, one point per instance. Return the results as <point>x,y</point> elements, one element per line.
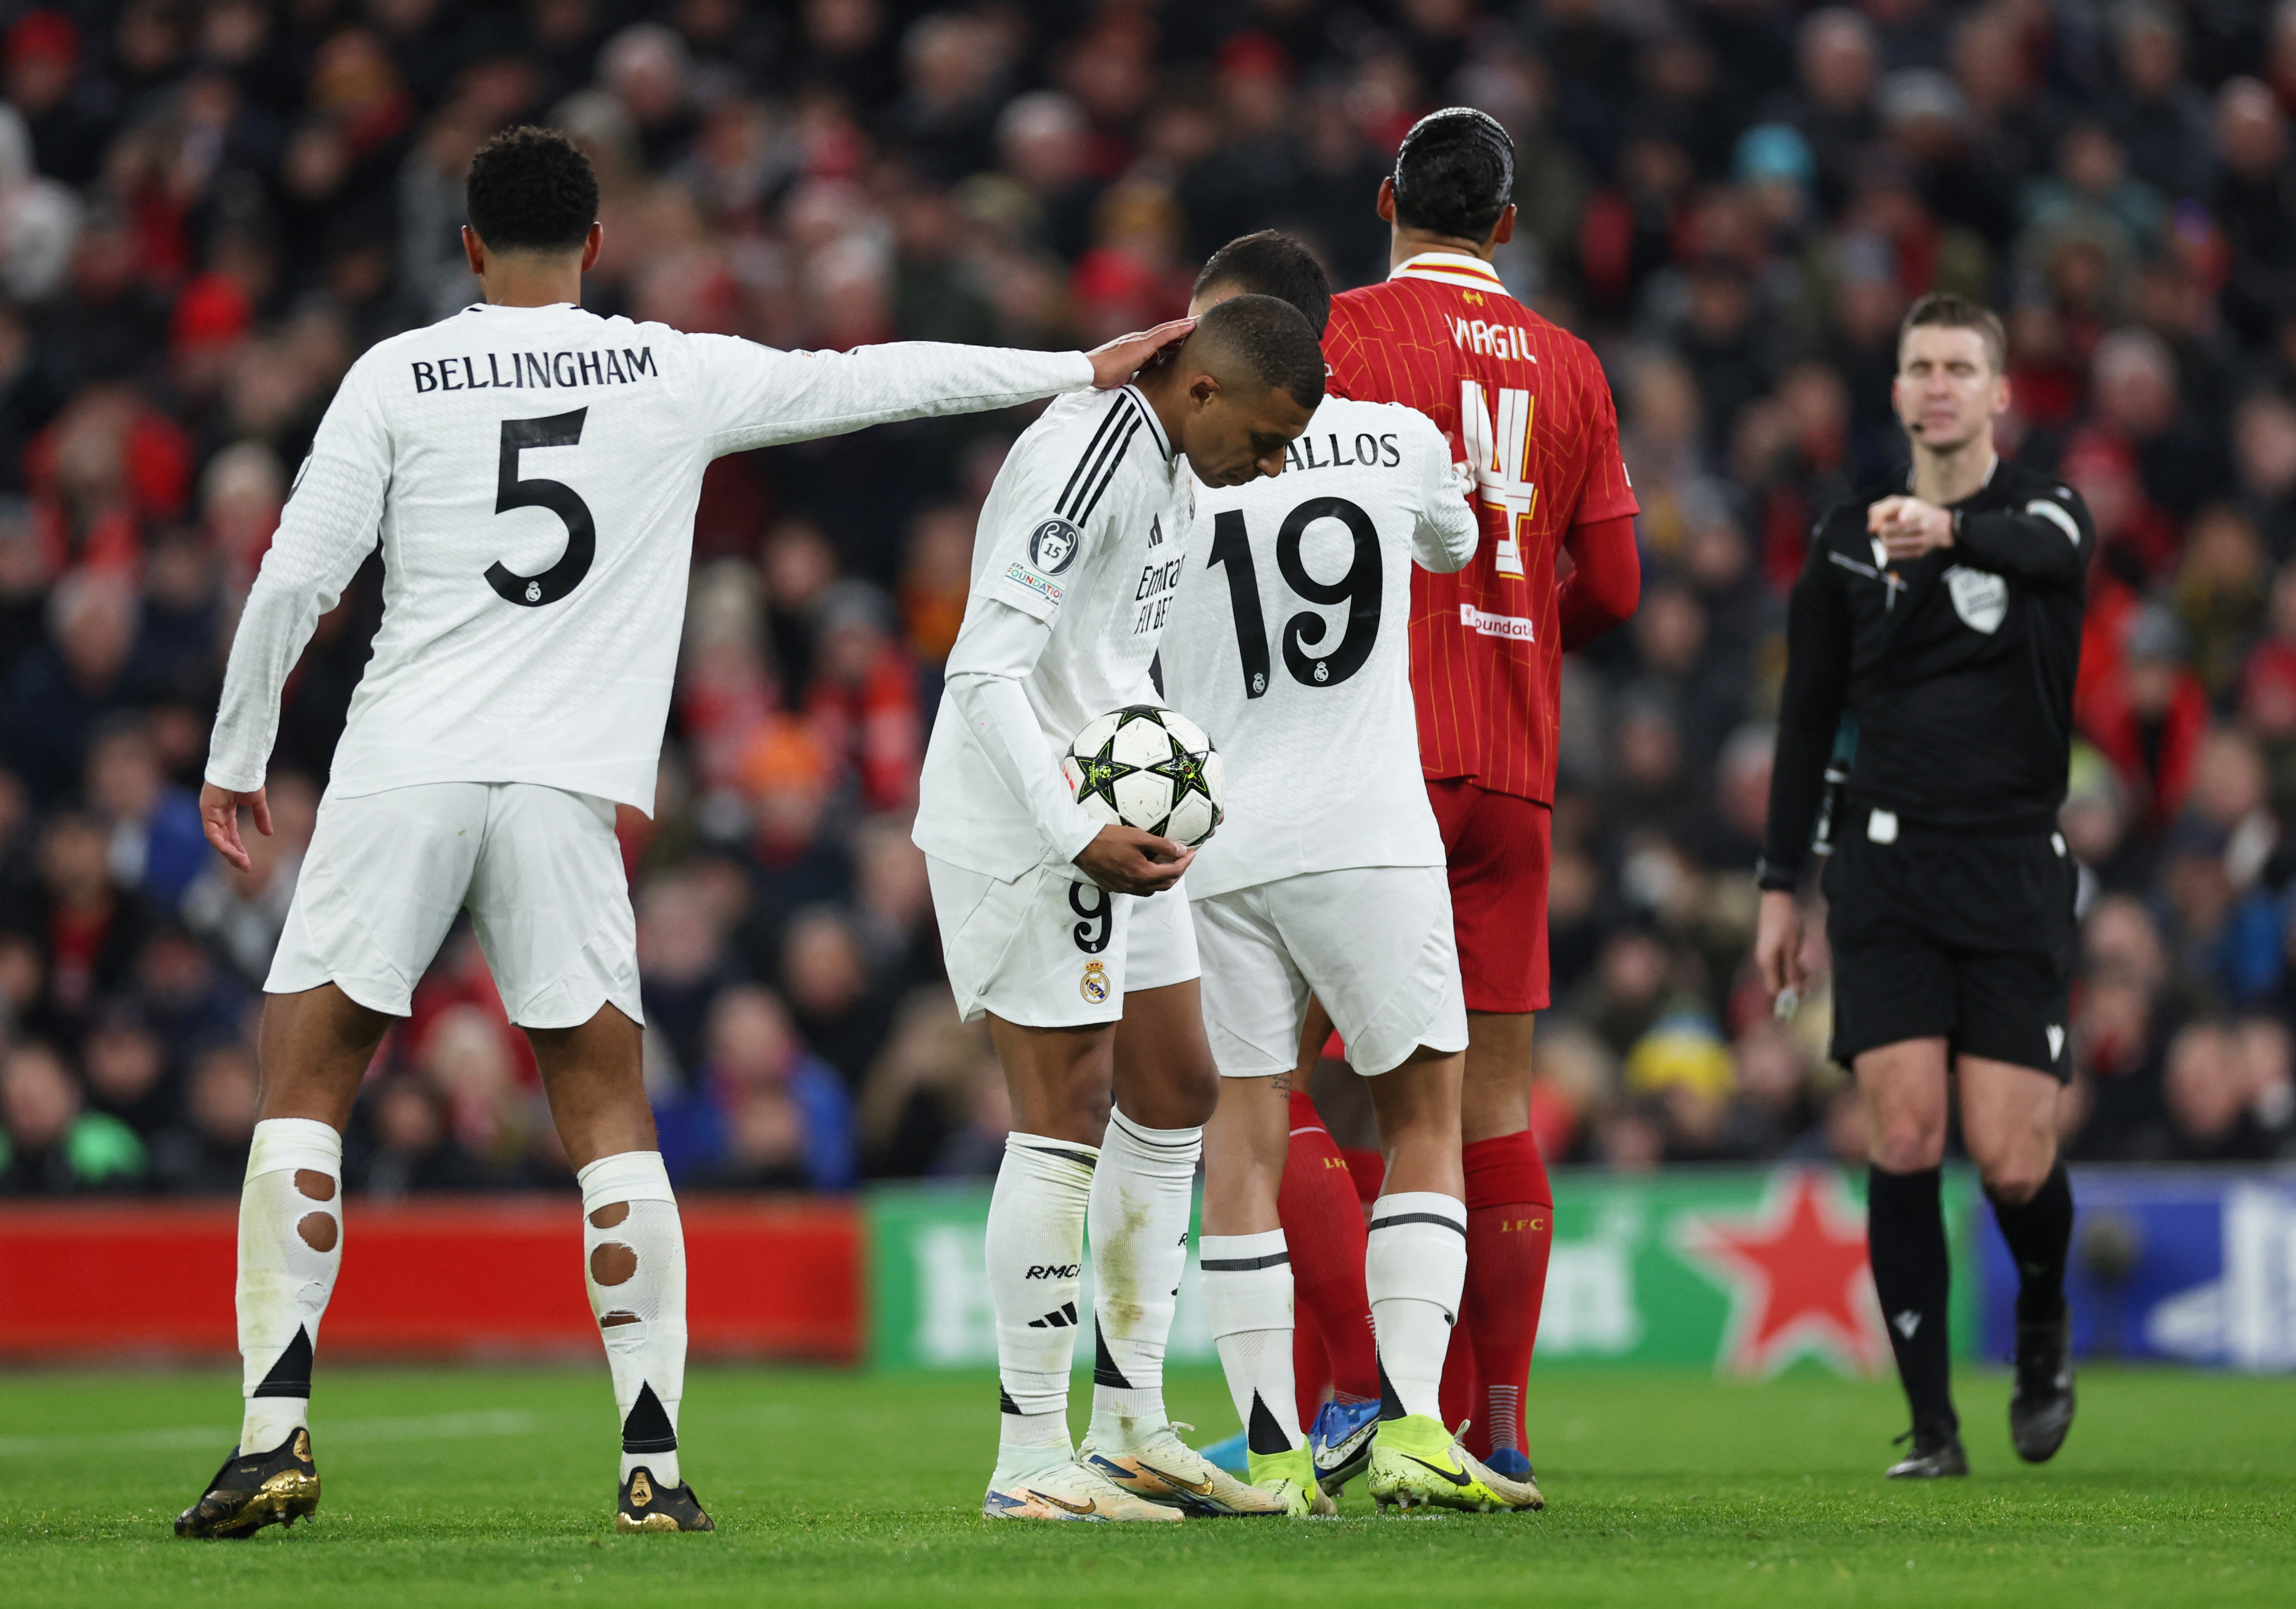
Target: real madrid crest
<point>1094,985</point>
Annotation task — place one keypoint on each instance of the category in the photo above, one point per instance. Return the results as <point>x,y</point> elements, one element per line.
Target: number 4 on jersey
<point>1500,456</point>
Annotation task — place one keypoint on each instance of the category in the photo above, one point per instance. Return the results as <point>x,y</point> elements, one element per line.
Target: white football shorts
<point>539,868</point>
<point>1050,949</point>
<point>1373,943</point>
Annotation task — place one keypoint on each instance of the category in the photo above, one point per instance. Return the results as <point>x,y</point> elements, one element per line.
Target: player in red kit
<point>1526,404</point>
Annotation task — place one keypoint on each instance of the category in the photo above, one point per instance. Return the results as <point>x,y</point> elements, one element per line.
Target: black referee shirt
<point>1959,667</point>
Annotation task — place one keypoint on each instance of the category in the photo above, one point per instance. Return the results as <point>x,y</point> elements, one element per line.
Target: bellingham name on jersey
<point>535,371</point>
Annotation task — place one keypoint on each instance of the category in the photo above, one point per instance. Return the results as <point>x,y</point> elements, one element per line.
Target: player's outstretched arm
<point>754,396</point>
<point>1119,360</point>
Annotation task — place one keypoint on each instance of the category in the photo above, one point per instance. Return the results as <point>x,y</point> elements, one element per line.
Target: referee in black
<point>1945,616</point>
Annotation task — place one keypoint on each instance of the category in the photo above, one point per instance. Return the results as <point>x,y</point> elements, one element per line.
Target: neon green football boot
<point>1290,1476</point>
<point>1415,1464</point>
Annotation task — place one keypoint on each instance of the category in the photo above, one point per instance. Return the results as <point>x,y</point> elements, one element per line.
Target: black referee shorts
<point>1970,937</point>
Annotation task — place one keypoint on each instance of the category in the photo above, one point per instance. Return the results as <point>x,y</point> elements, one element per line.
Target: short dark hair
<point>1273,339</point>
<point>531,190</point>
<point>1272,263</point>
<point>1454,173</point>
<point>1953,312</point>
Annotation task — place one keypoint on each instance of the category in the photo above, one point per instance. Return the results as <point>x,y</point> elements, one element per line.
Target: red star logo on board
<point>1798,1275</point>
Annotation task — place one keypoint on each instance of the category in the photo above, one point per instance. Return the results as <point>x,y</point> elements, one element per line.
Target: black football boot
<point>2041,1402</point>
<point>646,1507</point>
<point>1937,1452</point>
<point>255,1489</point>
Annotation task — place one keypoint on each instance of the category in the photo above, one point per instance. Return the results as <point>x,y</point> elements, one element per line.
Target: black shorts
<point>1970,937</point>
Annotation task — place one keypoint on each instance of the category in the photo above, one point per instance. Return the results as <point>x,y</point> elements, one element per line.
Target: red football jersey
<point>1528,406</point>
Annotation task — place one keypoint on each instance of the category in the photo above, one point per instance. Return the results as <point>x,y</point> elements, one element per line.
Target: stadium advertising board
<point>1746,1271</point>
<point>2171,1265</point>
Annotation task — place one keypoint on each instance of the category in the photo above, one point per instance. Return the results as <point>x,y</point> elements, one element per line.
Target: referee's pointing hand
<point>1909,527</point>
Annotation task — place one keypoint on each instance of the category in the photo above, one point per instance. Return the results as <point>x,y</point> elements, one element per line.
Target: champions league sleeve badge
<point>1052,547</point>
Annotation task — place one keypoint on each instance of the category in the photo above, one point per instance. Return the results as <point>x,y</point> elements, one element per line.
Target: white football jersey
<point>1292,650</point>
<point>533,473</point>
<point>1086,529</point>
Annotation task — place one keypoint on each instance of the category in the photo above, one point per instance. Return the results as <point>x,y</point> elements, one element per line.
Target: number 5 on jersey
<point>559,430</point>
<point>1502,480</point>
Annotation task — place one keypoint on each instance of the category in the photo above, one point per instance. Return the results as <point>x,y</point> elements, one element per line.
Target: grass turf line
<point>477,1486</point>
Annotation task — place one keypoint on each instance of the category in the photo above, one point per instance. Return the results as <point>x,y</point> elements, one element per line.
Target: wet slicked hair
<point>1454,173</point>
<point>1271,338</point>
<point>1272,263</point>
<point>1959,313</point>
<point>531,190</point>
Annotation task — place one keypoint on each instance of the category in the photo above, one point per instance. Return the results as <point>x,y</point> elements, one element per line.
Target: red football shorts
<point>1498,847</point>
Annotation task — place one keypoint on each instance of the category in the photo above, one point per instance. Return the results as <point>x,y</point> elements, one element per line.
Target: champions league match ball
<point>1148,767</point>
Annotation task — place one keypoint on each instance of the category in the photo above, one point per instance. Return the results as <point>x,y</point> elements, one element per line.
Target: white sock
<point>1414,1268</point>
<point>291,1248</point>
<point>1141,1196</point>
<point>645,1345</point>
<point>1248,1298</point>
<point>1035,1256</point>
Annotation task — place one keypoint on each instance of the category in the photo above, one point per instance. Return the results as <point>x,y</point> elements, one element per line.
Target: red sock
<point>1311,1374</point>
<point>1462,1392</point>
<point>1324,1230</point>
<point>1510,1230</point>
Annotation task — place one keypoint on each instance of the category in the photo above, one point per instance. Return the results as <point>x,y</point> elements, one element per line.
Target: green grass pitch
<point>494,1487</point>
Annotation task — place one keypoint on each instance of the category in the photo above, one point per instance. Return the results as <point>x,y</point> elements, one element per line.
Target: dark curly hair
<point>1454,173</point>
<point>1272,263</point>
<point>531,190</point>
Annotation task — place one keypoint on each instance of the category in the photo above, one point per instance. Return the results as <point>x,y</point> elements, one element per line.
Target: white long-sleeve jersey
<point>1292,650</point>
<point>1079,553</point>
<point>533,473</point>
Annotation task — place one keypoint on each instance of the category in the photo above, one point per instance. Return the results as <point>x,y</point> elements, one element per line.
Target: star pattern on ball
<point>1102,772</point>
<point>1184,769</point>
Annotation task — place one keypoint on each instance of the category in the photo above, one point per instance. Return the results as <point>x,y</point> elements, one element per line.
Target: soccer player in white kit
<point>1057,928</point>
<point>533,470</point>
<point>1329,878</point>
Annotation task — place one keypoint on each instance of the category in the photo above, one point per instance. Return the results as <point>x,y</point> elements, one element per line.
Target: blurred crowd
<point>208,208</point>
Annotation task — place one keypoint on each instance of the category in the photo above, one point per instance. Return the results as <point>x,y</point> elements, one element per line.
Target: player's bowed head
<point>1240,390</point>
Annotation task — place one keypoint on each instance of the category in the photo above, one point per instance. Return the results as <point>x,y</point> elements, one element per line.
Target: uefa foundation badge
<point>1094,987</point>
